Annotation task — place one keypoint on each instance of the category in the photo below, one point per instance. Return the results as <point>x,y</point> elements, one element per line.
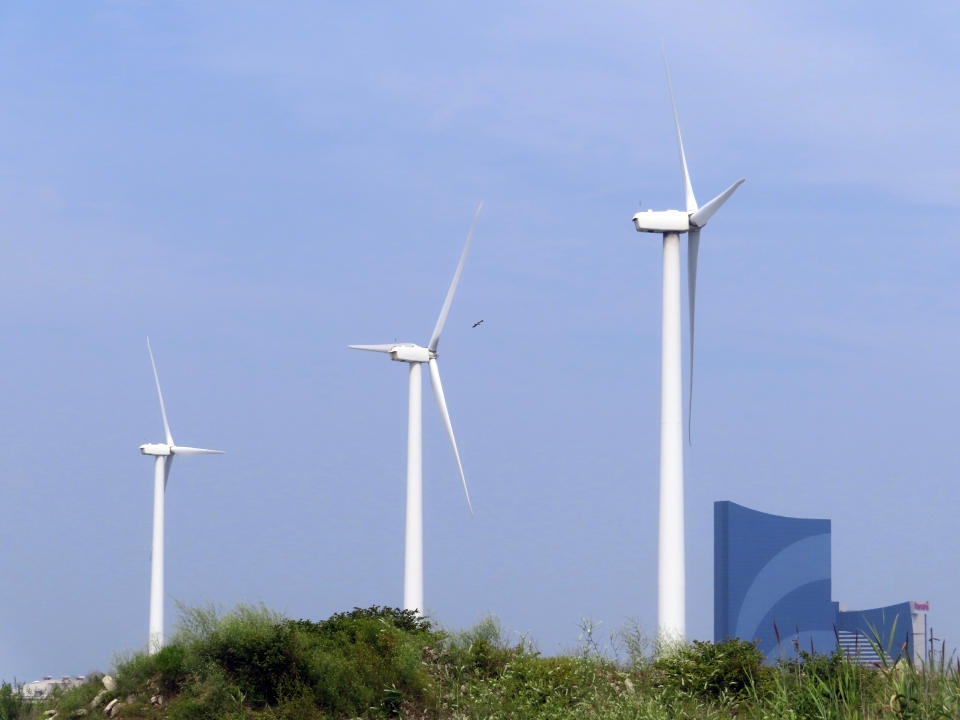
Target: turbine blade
<point>690,200</point>
<point>435,338</point>
<point>700,217</point>
<point>187,451</point>
<point>374,348</point>
<point>167,462</point>
<point>693,249</point>
<point>442,405</point>
<point>163,410</point>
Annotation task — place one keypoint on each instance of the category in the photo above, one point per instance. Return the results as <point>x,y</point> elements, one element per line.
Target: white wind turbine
<point>671,616</point>
<point>164,453</point>
<point>415,356</point>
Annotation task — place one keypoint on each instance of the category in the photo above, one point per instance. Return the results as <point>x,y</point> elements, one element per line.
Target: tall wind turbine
<point>164,453</point>
<point>671,615</point>
<point>415,356</point>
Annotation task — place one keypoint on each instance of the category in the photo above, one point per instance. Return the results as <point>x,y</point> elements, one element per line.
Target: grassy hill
<point>383,663</point>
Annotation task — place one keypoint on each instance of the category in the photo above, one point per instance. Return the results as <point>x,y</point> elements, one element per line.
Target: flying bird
<point>477,322</point>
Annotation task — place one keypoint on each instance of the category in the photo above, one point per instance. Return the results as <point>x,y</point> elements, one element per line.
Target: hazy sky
<point>258,185</point>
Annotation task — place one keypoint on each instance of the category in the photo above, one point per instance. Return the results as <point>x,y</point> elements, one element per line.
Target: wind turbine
<point>671,603</point>
<point>415,356</point>
<point>164,453</point>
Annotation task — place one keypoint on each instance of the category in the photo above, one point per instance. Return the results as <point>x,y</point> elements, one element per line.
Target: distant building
<point>772,578</point>
<point>43,689</point>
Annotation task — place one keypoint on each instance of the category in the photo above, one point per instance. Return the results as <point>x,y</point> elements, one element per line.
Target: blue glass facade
<point>772,575</point>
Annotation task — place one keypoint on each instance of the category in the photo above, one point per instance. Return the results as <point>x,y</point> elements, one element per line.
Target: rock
<point>50,714</point>
<point>99,697</point>
<point>156,700</point>
<point>111,706</point>
<point>109,683</point>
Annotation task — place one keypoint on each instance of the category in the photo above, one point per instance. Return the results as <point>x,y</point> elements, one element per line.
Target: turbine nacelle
<point>677,221</point>
<point>411,353</point>
<point>164,450</point>
<point>401,352</point>
<point>156,449</point>
<point>664,221</point>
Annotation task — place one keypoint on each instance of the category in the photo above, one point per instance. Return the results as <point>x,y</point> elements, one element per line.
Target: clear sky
<point>258,185</point>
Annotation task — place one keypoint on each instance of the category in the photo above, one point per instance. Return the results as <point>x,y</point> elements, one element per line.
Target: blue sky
<point>257,186</point>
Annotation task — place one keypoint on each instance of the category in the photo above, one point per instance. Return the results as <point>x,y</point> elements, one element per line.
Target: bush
<point>354,663</point>
<point>170,663</point>
<point>134,672</point>
<point>346,623</point>
<point>554,682</point>
<point>480,651</point>
<point>256,651</point>
<point>298,707</point>
<point>366,658</point>
<point>76,698</point>
<point>188,708</point>
<point>10,702</point>
<point>726,672</point>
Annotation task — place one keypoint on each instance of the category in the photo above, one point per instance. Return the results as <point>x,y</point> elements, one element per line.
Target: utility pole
<point>932,639</point>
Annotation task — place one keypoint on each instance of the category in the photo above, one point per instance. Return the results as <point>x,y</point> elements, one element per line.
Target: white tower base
<point>671,619</point>
<point>413,553</point>
<point>155,640</point>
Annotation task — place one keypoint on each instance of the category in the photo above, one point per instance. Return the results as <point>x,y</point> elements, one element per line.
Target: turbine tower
<point>671,603</point>
<point>163,454</point>
<point>415,356</point>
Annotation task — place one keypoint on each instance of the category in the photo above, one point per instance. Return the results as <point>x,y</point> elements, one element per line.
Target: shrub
<point>170,663</point>
<point>481,651</point>
<point>76,698</point>
<point>723,672</point>
<point>188,708</point>
<point>345,623</point>
<point>134,673</point>
<point>638,647</point>
<point>10,702</point>
<point>366,658</point>
<point>256,650</point>
<point>298,707</point>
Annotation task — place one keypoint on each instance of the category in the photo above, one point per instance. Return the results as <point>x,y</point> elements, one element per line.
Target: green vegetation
<point>11,705</point>
<point>379,662</point>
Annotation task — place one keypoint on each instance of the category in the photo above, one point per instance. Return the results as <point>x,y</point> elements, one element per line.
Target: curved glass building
<point>772,585</point>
